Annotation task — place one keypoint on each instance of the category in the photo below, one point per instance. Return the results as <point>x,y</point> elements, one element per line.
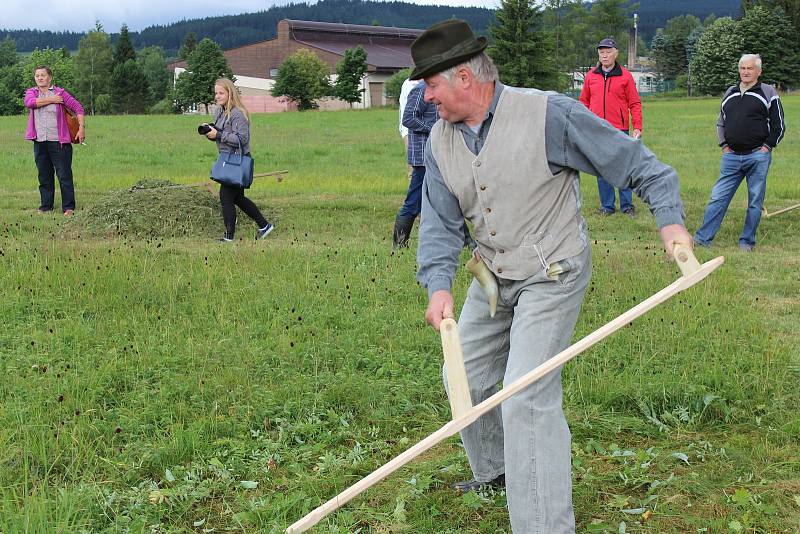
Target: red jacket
<point>612,96</point>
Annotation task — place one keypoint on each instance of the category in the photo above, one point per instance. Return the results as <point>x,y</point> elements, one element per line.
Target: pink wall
<point>266,104</point>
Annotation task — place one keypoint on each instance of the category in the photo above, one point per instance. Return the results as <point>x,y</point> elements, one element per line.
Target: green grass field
<point>176,385</point>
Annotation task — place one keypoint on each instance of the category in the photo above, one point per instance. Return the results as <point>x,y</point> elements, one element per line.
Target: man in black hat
<point>609,91</point>
<point>507,159</point>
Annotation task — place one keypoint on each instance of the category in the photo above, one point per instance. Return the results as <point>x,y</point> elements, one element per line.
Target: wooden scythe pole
<point>768,214</point>
<point>692,272</point>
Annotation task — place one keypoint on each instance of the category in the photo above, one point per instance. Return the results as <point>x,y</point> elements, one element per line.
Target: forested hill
<point>235,30</point>
<point>654,14</point>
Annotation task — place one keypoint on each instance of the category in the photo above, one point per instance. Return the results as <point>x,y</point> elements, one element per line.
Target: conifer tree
<point>188,45</point>
<point>609,17</point>
<point>123,51</point>
<point>129,90</point>
<point>522,49</point>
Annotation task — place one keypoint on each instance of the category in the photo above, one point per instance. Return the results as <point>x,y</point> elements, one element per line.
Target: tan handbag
<point>72,124</point>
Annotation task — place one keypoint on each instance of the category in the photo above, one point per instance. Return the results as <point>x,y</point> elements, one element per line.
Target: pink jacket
<point>69,101</point>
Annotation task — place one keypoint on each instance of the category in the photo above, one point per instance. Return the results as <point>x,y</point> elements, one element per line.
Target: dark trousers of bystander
<point>53,158</point>
<point>230,197</point>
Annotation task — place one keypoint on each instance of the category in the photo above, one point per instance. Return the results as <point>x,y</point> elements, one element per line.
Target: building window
<point>273,73</point>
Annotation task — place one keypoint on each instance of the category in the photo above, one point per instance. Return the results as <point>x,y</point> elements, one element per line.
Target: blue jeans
<point>54,158</point>
<point>607,197</point>
<point>733,169</point>
<point>526,437</point>
<point>413,204</point>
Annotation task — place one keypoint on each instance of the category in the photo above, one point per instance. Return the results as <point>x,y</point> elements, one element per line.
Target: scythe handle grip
<point>684,256</point>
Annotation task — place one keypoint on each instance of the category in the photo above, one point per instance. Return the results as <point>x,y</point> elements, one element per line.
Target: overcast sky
<point>79,15</point>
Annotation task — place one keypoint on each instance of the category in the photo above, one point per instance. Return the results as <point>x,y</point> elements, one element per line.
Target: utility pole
<point>633,38</point>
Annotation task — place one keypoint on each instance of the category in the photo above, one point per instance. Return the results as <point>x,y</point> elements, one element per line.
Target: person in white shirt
<point>405,89</point>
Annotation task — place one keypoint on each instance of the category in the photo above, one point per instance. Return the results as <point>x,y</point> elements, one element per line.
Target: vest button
<point>488,210</point>
<point>483,188</point>
<point>499,269</point>
<point>501,251</point>
<point>493,233</point>
<point>476,163</point>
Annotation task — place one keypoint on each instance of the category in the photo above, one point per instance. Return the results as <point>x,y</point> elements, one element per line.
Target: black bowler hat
<point>444,45</point>
<point>608,42</point>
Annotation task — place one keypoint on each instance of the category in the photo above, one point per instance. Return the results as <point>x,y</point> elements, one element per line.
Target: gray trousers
<point>527,437</point>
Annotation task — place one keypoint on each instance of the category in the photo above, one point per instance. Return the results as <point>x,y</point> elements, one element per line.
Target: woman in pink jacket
<point>52,144</point>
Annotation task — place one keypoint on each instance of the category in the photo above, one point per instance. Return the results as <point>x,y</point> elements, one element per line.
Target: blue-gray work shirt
<point>574,138</point>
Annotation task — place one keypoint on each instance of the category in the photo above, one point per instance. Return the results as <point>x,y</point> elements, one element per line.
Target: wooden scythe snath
<point>692,272</point>
<point>774,213</point>
<point>277,174</point>
<point>210,186</point>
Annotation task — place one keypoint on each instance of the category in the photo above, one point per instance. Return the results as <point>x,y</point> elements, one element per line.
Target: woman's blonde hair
<point>234,101</point>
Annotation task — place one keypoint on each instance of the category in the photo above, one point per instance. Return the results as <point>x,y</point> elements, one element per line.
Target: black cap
<point>608,42</point>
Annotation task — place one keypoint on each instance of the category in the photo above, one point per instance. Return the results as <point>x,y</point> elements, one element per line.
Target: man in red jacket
<point>610,93</point>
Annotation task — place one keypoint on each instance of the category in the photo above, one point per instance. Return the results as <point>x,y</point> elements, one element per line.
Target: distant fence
<point>644,89</point>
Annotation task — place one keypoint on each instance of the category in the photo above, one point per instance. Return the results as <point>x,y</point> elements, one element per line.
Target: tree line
<point>117,79</point>
<point>703,56</point>
<point>533,44</point>
<point>236,30</point>
<point>543,44</point>
<point>105,78</point>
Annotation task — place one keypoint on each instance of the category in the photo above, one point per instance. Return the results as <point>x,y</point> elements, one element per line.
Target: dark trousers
<point>413,203</point>
<point>608,198</point>
<point>54,158</point>
<point>230,197</point>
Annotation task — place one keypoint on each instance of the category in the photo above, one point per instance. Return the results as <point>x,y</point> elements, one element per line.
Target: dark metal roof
<point>380,56</point>
<point>354,29</point>
<point>387,48</point>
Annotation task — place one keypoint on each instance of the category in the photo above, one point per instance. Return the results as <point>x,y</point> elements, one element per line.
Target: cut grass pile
<point>153,208</point>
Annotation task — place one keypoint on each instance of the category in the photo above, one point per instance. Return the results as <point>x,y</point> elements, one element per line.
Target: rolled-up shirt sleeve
<point>441,234</point>
<point>578,139</point>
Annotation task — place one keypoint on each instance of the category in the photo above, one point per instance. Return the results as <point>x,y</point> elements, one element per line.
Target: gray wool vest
<point>525,217</point>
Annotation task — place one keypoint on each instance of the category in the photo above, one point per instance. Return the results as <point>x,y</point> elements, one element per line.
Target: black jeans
<point>230,197</point>
<point>54,158</point>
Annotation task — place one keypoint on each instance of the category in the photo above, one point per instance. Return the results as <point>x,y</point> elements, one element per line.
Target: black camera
<point>203,129</point>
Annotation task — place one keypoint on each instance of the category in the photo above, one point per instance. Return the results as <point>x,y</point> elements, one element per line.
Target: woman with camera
<point>52,141</point>
<point>231,131</point>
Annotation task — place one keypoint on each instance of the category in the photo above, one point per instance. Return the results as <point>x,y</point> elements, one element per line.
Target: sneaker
<point>264,232</point>
<point>69,213</point>
<point>224,239</point>
<point>745,247</point>
<point>44,210</point>
<point>698,243</point>
<point>474,485</point>
<point>630,212</point>
<point>604,212</point>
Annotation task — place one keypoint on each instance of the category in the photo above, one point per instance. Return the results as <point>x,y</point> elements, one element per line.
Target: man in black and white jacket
<point>750,125</point>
